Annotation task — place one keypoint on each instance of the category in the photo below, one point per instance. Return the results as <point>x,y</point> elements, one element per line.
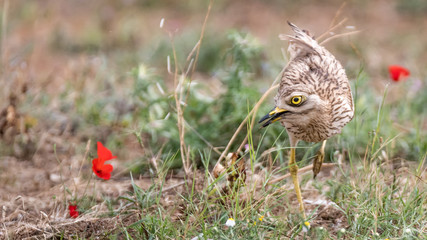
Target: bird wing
<point>301,43</point>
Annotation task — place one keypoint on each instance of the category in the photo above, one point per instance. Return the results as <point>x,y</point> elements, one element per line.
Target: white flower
<point>321,228</point>
<point>230,222</point>
<point>407,230</point>
<point>306,227</point>
<point>342,230</point>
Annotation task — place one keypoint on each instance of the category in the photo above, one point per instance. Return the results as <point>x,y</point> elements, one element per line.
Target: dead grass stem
<point>179,86</point>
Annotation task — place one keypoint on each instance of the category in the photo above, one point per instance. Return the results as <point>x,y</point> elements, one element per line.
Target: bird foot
<point>318,161</point>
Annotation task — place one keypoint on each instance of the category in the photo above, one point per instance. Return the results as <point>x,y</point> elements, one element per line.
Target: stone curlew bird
<point>314,100</point>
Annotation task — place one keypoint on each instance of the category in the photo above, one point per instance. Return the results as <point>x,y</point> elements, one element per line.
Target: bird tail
<point>301,43</point>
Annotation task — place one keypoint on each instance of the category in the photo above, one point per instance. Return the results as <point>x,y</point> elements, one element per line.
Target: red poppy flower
<point>397,72</point>
<point>73,211</point>
<point>99,167</point>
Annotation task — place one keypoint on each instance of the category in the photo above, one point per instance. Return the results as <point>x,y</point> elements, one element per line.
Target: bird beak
<point>273,116</point>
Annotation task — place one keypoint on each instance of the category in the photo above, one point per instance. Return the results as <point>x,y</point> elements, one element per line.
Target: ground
<point>70,72</point>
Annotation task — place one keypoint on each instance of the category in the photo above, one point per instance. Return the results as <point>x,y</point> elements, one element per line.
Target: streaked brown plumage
<point>314,100</point>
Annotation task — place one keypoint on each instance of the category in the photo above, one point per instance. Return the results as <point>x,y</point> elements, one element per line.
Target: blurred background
<point>73,71</point>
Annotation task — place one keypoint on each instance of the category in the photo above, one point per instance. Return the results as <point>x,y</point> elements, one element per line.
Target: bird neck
<point>293,141</point>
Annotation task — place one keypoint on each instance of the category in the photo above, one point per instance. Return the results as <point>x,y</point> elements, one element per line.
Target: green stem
<point>377,130</point>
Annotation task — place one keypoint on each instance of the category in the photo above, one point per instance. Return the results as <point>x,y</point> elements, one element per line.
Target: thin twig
<point>172,187</point>
<point>331,29</point>
<point>331,26</point>
<point>179,92</point>
<point>193,50</point>
<point>337,14</point>
<point>339,35</point>
<point>199,43</point>
<point>179,110</point>
<point>189,68</point>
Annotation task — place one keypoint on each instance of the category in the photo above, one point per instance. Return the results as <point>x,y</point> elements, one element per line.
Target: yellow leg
<point>293,169</point>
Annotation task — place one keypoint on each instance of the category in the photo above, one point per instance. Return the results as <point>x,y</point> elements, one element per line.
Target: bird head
<point>297,107</point>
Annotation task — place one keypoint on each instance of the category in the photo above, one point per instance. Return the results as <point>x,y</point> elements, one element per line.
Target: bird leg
<point>317,163</point>
<point>293,169</point>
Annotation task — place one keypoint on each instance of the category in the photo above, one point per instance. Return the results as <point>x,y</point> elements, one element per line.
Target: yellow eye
<point>296,100</point>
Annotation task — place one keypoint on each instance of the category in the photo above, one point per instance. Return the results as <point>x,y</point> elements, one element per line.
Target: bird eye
<point>297,100</point>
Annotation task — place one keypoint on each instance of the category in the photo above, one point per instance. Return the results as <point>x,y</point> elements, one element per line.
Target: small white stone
<point>55,177</point>
<point>200,237</point>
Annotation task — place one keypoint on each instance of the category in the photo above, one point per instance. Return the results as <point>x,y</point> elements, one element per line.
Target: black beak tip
<point>266,123</point>
<point>264,118</point>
